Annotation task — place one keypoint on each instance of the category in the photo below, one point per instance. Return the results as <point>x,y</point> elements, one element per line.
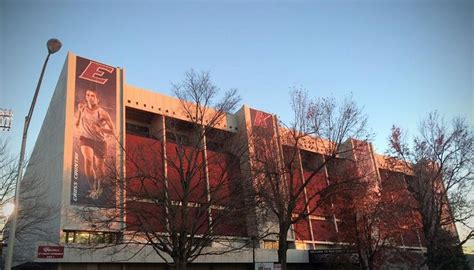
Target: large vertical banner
<point>263,135</point>
<point>94,142</point>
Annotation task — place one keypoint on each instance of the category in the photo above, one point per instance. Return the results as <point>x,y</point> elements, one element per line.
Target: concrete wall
<point>41,188</point>
<point>140,254</point>
<point>144,100</point>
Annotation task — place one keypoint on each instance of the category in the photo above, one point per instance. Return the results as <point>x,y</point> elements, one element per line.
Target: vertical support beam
<point>419,238</point>
<point>301,169</point>
<point>326,174</point>
<point>206,175</point>
<point>281,160</point>
<point>164,157</point>
<point>121,154</point>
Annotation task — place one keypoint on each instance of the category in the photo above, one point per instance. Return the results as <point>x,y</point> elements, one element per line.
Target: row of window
<point>132,113</point>
<point>91,237</point>
<point>95,237</point>
<point>138,130</point>
<point>174,137</point>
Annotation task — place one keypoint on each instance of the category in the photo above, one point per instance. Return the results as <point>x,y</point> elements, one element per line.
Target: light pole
<point>53,46</point>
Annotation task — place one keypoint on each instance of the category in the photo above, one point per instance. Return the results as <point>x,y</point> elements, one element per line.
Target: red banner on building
<point>263,136</point>
<point>95,138</point>
<point>50,252</point>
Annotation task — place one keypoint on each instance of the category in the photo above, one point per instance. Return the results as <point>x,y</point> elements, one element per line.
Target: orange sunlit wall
<point>395,193</point>
<point>319,226</point>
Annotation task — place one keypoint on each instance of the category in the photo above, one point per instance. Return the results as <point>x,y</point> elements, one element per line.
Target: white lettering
<point>76,176</point>
<point>76,166</point>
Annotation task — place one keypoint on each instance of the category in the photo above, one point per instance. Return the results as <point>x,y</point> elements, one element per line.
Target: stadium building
<point>131,129</point>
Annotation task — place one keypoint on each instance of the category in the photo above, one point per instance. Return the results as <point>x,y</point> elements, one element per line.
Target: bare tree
<point>33,213</point>
<point>377,223</point>
<point>293,187</point>
<point>182,181</point>
<point>441,160</point>
<point>7,175</point>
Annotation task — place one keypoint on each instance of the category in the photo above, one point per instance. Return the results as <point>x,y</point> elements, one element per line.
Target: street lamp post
<point>53,46</point>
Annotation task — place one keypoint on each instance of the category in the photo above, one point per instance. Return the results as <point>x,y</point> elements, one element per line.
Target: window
<point>139,130</point>
<point>219,140</point>
<point>89,237</point>
<point>270,244</point>
<point>302,245</point>
<point>215,146</point>
<point>182,132</point>
<point>177,138</point>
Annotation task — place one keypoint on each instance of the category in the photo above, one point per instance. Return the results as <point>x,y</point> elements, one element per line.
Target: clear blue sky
<point>400,59</point>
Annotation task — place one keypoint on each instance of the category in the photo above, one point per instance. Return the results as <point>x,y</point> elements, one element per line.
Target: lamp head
<point>53,45</point>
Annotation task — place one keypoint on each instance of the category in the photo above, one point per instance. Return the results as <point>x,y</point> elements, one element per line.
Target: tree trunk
<point>363,260</point>
<point>179,263</point>
<point>431,257</point>
<point>282,247</point>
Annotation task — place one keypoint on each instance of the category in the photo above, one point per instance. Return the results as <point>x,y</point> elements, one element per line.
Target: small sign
<point>50,252</point>
<point>277,266</point>
<point>264,266</point>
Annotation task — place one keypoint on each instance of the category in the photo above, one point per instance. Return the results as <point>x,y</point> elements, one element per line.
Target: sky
<point>400,59</point>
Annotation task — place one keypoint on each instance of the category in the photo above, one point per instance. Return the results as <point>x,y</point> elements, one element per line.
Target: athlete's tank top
<point>89,118</point>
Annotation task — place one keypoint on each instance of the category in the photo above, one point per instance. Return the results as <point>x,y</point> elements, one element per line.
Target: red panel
<point>391,180</point>
<point>227,223</point>
<point>226,190</point>
<point>185,172</point>
<point>316,184</point>
<point>341,170</point>
<point>293,176</point>
<point>197,221</point>
<point>302,231</point>
<point>224,180</point>
<point>401,204</point>
<point>295,181</point>
<point>149,217</point>
<point>323,230</point>
<point>219,177</point>
<point>395,190</point>
<point>144,167</point>
<point>346,231</point>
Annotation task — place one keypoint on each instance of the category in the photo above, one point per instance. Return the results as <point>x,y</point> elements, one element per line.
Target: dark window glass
<point>138,130</point>
<point>179,139</point>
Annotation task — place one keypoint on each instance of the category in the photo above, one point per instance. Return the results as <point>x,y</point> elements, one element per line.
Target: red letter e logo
<point>94,72</point>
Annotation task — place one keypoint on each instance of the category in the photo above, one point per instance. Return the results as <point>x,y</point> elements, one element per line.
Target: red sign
<point>261,119</point>
<point>50,252</point>
<point>94,72</point>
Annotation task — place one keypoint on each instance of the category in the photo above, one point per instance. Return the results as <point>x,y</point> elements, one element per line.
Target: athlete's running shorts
<point>100,148</point>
